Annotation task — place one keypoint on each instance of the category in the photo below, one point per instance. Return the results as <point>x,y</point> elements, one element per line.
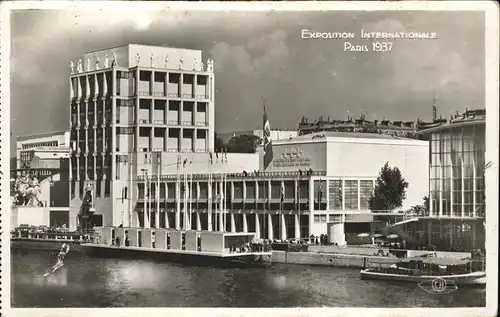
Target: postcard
<point>242,158</point>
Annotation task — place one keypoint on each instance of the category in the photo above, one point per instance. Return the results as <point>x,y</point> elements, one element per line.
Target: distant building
<point>457,184</point>
<point>275,134</point>
<point>25,145</point>
<point>408,129</point>
<point>39,180</point>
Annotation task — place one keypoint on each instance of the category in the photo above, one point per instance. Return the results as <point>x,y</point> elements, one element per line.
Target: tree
<point>389,192</point>
<point>244,144</point>
<point>426,204</point>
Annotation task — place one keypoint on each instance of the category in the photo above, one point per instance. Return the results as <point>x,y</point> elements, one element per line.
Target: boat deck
<point>226,255</point>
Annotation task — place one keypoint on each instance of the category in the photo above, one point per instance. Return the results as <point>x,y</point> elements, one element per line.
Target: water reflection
<point>97,282</point>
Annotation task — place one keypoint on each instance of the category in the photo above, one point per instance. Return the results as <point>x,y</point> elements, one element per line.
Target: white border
<point>492,141</point>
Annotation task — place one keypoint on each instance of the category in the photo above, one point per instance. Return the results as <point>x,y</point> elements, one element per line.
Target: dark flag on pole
<point>268,145</point>
<point>184,163</point>
<point>282,192</point>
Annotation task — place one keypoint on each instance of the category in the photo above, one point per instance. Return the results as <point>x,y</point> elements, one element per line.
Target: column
<point>104,84</point>
<point>178,206</point>
<point>167,221</point>
<point>297,227</point>
<point>198,221</point>
<point>165,85</point>
<point>151,83</point>
<point>233,224</point>
<point>463,189</point>
<point>283,227</point>
<point>157,216</point>
<point>245,224</point>
<point>195,84</point>
<point>311,204</point>
<point>221,213</point>
<point>269,226</point>
<point>359,194</point>
<point>257,226</point>
<point>180,92</point>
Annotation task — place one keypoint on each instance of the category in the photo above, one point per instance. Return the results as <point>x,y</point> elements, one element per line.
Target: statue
<point>106,64</point>
<point>202,66</point>
<point>114,62</point>
<point>181,62</point>
<point>166,61</point>
<point>210,65</point>
<point>79,68</point>
<point>88,64</point>
<point>195,64</point>
<point>97,63</point>
<point>27,191</point>
<point>151,59</point>
<point>137,58</point>
<point>72,67</point>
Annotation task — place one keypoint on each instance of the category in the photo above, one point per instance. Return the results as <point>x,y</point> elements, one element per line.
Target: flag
<point>282,192</point>
<point>320,191</point>
<point>268,145</point>
<point>184,163</point>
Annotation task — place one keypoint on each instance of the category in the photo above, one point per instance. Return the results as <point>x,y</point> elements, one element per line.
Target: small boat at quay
<point>464,272</point>
<point>212,248</point>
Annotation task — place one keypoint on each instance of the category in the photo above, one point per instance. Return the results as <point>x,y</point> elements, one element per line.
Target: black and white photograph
<point>341,156</point>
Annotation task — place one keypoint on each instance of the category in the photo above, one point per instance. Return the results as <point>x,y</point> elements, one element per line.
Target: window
<point>365,192</point>
<point>107,187</point>
<point>335,194</point>
<point>351,194</point>
<point>320,218</point>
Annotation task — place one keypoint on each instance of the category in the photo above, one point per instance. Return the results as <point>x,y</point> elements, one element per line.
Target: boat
<point>463,272</point>
<point>226,249</point>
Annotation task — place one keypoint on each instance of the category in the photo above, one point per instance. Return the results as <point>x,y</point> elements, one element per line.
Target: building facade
<point>26,144</point>
<point>456,185</point>
<point>129,100</point>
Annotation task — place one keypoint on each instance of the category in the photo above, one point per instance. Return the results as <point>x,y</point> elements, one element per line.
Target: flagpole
<point>221,194</point>
<point>149,201</point>
<point>129,193</point>
<point>144,216</point>
<point>225,190</point>
<point>209,193</point>
<point>157,216</point>
<point>178,195</point>
<point>191,194</point>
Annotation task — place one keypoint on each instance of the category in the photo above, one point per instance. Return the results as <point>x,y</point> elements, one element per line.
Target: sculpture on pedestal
<point>166,61</point>
<point>97,63</point>
<point>72,67</point>
<point>88,64</point>
<point>137,59</point>
<point>181,62</point>
<point>210,65</point>
<point>114,62</point>
<point>151,60</point>
<point>27,191</point>
<point>79,68</point>
<point>195,64</point>
<point>106,62</point>
<point>202,66</point>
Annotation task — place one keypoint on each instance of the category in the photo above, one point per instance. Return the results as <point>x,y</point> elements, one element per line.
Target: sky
<point>262,55</point>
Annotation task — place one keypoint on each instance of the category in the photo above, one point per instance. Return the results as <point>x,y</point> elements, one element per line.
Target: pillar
<point>198,221</point>
<point>245,224</point>
<point>233,224</point>
<point>297,227</point>
<point>178,209</point>
<point>283,227</point>
<point>167,221</point>
<point>269,226</point>
<point>157,217</point>
<point>257,226</point>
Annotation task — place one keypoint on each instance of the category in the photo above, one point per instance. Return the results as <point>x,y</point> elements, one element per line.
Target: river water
<point>97,282</point>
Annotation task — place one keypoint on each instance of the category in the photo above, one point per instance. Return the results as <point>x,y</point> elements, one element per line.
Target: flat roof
<point>144,45</point>
<point>348,135</point>
<point>455,124</point>
<point>40,135</point>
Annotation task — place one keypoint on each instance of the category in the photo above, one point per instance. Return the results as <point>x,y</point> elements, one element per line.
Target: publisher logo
<point>438,286</point>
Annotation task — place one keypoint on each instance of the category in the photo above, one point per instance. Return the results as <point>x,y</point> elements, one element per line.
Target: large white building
<point>26,144</point>
<point>145,119</point>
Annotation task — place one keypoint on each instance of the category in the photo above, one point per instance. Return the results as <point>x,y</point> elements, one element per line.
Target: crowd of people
<point>258,246</point>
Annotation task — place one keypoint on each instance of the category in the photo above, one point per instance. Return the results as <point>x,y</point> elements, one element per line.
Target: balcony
<point>201,123</point>
<point>144,93</point>
<point>173,150</point>
<point>187,123</point>
<point>174,94</point>
<point>202,97</point>
<point>189,96</point>
<point>159,121</point>
<point>146,121</point>
<point>174,122</point>
<point>159,94</point>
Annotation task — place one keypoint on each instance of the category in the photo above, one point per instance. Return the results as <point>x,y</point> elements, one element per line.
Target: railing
<point>159,121</point>
<point>144,93</point>
<point>173,150</point>
<point>201,123</point>
<point>174,94</point>
<point>202,97</point>
<point>159,94</point>
<point>144,121</point>
<point>176,122</point>
<point>187,122</point>
<point>190,96</point>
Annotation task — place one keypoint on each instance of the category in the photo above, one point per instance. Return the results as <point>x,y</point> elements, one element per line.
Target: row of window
<point>40,144</point>
<point>98,188</point>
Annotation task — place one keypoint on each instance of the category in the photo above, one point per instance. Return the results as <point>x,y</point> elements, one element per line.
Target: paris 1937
<point>373,47</point>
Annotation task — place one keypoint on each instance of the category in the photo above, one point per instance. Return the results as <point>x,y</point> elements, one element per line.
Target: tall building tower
<point>127,103</point>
